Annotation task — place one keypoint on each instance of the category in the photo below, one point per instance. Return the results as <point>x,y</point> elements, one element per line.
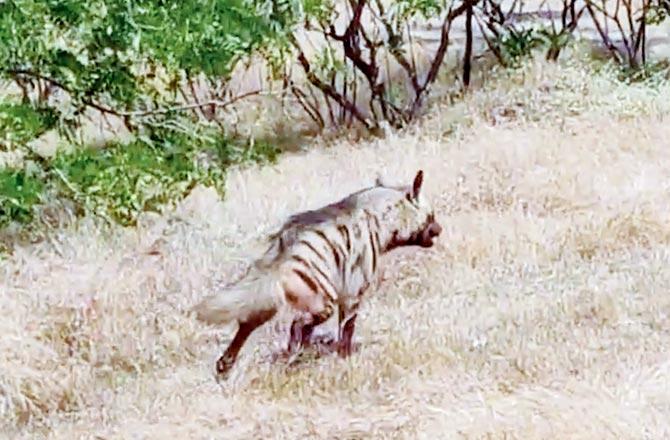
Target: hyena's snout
<point>430,232</point>
<point>434,229</point>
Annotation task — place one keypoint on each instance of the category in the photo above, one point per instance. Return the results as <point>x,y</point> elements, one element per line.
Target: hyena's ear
<point>416,186</point>
<point>379,181</point>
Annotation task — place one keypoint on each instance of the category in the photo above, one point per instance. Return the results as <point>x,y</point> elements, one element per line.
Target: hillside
<point>541,313</point>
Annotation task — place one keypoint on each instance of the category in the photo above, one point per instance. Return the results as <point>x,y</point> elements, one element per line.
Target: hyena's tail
<point>256,294</point>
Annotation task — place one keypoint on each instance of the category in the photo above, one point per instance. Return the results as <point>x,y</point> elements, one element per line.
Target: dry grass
<point>542,312</point>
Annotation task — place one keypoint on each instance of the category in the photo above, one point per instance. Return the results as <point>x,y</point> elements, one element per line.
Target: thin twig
<point>104,109</point>
<point>441,53</point>
<point>309,108</point>
<point>326,88</point>
<point>67,183</point>
<point>492,47</point>
<point>214,102</point>
<point>603,34</point>
<point>467,55</point>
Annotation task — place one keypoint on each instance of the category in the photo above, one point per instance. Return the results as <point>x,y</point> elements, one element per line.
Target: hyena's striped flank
<point>320,260</point>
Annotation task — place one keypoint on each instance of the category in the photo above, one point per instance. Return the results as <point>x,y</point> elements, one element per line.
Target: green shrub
<point>105,52</point>
<point>20,191</point>
<point>515,45</point>
<point>121,181</point>
<point>129,59</point>
<point>653,73</point>
<point>19,123</point>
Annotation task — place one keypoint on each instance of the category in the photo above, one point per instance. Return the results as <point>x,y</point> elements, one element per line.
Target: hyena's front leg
<point>302,330</point>
<point>347,319</point>
<point>344,345</point>
<point>346,326</point>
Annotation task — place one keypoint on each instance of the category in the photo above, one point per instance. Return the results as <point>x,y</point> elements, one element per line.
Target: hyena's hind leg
<point>345,346</point>
<point>246,328</point>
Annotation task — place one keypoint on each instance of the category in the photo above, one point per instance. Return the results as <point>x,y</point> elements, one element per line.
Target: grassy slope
<point>541,313</point>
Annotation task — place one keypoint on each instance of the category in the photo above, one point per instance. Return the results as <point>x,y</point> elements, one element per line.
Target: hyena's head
<point>409,216</point>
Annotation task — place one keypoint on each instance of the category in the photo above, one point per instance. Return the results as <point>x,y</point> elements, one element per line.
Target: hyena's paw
<point>282,355</point>
<point>345,350</point>
<point>223,367</point>
<point>324,340</point>
<point>329,344</point>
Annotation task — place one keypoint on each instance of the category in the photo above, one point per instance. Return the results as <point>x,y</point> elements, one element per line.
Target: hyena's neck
<point>394,223</point>
<point>389,237</point>
<point>392,242</point>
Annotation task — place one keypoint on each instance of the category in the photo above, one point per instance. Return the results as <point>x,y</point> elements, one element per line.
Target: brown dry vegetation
<point>542,312</point>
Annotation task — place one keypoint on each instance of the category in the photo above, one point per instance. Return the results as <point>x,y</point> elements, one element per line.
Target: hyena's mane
<point>287,234</point>
<point>347,209</point>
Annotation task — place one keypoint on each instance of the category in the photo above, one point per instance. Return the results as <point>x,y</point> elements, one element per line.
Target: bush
<point>127,60</point>
<point>20,123</point>
<point>20,191</point>
<point>121,181</point>
<point>105,53</point>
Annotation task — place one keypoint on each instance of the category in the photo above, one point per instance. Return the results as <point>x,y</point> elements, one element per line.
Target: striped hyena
<point>320,260</point>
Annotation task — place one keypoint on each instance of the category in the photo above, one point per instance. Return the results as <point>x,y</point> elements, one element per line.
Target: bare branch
<point>441,52</point>
<point>467,55</point>
<point>327,89</point>
<point>309,108</point>
<point>603,34</point>
<point>122,114</point>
